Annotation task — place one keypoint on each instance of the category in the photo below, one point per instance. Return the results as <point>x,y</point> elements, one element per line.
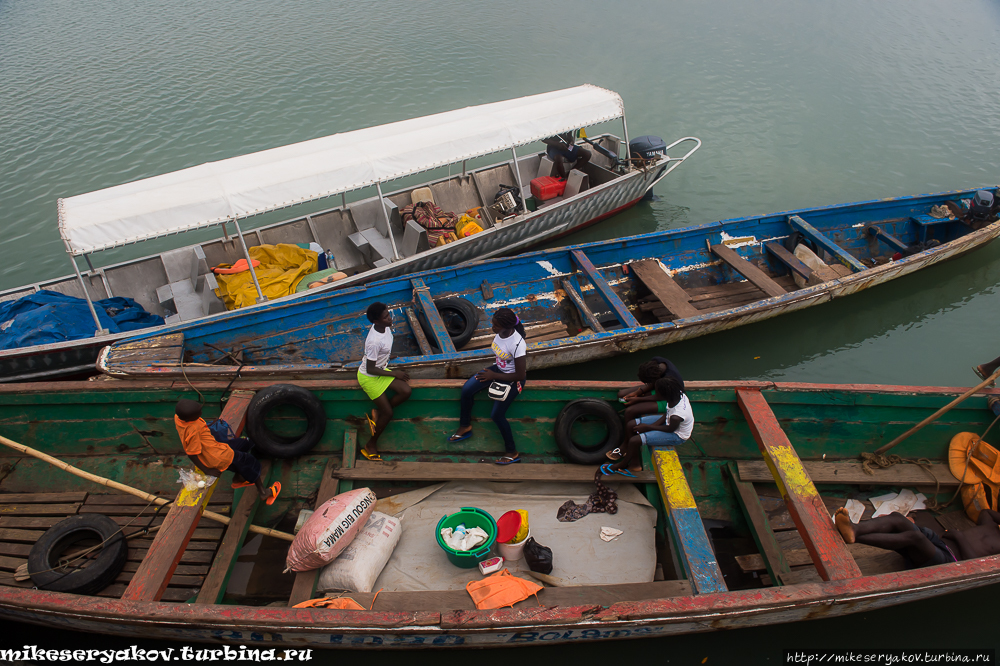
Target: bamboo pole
<point>936,415</point>
<point>121,487</point>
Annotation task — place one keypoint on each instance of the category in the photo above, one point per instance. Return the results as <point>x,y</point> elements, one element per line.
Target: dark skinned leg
<point>631,451</point>
<point>384,413</point>
<point>892,532</point>
<point>640,409</point>
<point>262,492</point>
<point>989,368</point>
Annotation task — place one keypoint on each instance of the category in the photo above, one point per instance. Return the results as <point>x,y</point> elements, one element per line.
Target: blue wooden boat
<point>580,302</point>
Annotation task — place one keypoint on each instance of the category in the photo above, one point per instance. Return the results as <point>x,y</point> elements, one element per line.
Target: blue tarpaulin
<point>48,316</point>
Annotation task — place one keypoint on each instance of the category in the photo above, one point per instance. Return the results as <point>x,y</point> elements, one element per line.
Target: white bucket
<point>512,551</point>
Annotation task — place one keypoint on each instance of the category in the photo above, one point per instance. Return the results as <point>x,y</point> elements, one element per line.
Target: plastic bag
<point>538,557</point>
<point>193,479</point>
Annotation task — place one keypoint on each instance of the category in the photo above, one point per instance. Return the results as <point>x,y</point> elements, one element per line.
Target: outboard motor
<point>983,206</point>
<point>647,147</point>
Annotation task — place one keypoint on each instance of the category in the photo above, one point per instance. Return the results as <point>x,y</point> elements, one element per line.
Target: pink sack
<point>330,530</point>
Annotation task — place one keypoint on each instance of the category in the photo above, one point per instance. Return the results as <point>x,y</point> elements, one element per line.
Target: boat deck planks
<point>823,472</point>
<point>670,294</point>
<point>364,470</point>
<point>756,276</point>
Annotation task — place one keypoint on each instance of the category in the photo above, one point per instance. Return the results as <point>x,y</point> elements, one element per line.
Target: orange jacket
<point>197,440</point>
<point>500,590</point>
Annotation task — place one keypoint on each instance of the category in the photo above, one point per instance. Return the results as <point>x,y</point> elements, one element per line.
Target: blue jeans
<point>656,438</point>
<point>499,414</point>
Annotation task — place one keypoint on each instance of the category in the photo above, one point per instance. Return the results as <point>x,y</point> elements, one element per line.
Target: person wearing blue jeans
<point>669,429</point>
<point>510,368</point>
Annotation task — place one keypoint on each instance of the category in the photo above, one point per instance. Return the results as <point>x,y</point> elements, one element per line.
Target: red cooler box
<point>547,187</point>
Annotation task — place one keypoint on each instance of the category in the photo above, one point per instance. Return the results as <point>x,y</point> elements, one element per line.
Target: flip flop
<point>623,472</point>
<point>615,453</point>
<point>459,438</point>
<point>606,469</point>
<point>980,374</point>
<point>371,456</point>
<point>507,460</point>
<point>237,486</point>
<point>276,488</point>
<point>371,423</point>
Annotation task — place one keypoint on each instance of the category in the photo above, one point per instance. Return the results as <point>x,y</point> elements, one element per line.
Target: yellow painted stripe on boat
<point>198,496</point>
<point>673,483</point>
<point>796,479</point>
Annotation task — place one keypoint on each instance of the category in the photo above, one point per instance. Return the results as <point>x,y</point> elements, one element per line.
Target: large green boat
<point>730,530</point>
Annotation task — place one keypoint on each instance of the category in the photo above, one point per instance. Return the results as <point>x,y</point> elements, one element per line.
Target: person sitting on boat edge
<point>510,370</point>
<point>562,150</point>
<point>672,427</point>
<point>920,546</point>
<point>213,456</point>
<point>640,400</point>
<point>375,377</point>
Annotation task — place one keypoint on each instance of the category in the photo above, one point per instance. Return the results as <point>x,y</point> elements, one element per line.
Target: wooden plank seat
<point>816,236</point>
<point>823,472</point>
<point>716,298</point>
<point>669,294</point>
<point>756,276</point>
<point>793,263</point>
<point>887,239</point>
<point>159,350</point>
<point>586,314</point>
<point>389,470</point>
<point>626,318</point>
<point>422,299</point>
<point>686,527</point>
<point>926,222</point>
<point>824,543</point>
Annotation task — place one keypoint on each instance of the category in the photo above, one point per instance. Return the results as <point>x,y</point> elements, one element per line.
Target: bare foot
<point>843,521</point>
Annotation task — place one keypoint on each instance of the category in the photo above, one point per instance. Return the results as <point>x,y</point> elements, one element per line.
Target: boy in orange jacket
<point>214,457</point>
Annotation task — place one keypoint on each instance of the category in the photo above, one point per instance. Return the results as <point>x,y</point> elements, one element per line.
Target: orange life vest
<point>500,590</point>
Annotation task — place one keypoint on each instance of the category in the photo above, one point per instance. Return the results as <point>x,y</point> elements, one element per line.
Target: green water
<point>798,104</point>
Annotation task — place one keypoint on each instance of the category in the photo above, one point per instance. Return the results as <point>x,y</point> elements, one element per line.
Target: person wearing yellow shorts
<point>376,378</point>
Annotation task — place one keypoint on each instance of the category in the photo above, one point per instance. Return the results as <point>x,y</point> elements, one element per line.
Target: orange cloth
<point>500,590</point>
<point>977,465</point>
<point>238,267</point>
<point>197,440</point>
<point>341,603</point>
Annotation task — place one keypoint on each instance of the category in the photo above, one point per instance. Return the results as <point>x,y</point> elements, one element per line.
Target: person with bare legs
<point>670,428</point>
<point>375,377</point>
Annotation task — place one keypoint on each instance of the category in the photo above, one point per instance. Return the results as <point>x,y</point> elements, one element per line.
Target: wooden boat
<point>578,303</point>
<point>738,544</point>
<point>366,236</point>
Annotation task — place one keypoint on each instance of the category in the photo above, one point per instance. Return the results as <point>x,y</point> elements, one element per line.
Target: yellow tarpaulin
<point>282,267</point>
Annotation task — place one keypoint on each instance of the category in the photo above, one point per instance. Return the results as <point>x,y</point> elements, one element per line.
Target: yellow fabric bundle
<point>282,267</point>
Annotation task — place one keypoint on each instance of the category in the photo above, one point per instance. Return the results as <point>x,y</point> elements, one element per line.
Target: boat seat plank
<point>365,470</point>
<point>422,298</point>
<point>583,262</point>
<point>870,560</point>
<point>814,234</point>
<point>418,332</point>
<point>154,574</point>
<point>823,472</point>
<point>930,220</point>
<point>771,554</point>
<point>803,500</point>
<point>214,586</point>
<point>686,527</point>
<point>165,340</point>
<point>588,316</point>
<point>304,587</point>
<point>41,509</point>
<point>887,239</point>
<point>42,498</point>
<point>793,263</point>
<point>757,277</point>
<point>669,293</point>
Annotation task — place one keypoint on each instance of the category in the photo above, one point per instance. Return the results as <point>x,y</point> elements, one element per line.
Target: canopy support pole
<point>388,221</point>
<point>86,294</point>
<point>517,175</point>
<point>261,298</point>
<point>628,153</point>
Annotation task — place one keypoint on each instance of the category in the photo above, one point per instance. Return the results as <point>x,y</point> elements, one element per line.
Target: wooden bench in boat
<point>159,350</point>
<point>925,222</point>
<point>887,239</point>
<point>756,276</point>
<point>822,540</point>
<point>814,234</point>
<point>364,470</point>
<point>167,549</point>
<point>793,263</point>
<point>715,298</point>
<point>823,472</point>
<point>586,314</point>
<point>626,318</point>
<point>422,299</point>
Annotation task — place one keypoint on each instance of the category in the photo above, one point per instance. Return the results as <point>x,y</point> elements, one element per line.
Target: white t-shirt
<point>507,349</point>
<point>378,346</point>
<point>683,410</point>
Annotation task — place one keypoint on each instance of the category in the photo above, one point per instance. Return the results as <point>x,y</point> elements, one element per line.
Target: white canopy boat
<point>365,239</point>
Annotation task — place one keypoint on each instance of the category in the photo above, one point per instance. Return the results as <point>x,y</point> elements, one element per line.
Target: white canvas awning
<point>238,187</point>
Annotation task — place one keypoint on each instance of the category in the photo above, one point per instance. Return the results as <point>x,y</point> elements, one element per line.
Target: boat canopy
<point>239,187</point>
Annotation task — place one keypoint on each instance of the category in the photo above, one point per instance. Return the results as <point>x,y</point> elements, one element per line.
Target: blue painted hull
<point>322,335</point>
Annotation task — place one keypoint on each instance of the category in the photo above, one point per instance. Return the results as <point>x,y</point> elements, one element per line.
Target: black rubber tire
<point>59,538</point>
<point>277,446</point>
<point>573,412</point>
<point>460,317</point>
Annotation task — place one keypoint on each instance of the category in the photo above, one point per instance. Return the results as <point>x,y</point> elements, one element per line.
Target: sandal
<point>979,373</point>
<point>275,489</point>
<point>371,456</point>
<point>615,453</point>
<point>508,460</point>
<point>623,472</point>
<point>237,486</point>
<point>458,438</point>
<point>371,423</point>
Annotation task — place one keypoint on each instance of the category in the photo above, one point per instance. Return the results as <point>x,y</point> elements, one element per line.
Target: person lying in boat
<point>670,428</point>
<point>505,380</point>
<point>376,378</point>
<point>213,456</point>
<point>920,546</point>
<point>565,154</point>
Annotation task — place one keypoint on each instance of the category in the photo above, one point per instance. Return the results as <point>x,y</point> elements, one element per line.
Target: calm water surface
<point>798,104</point>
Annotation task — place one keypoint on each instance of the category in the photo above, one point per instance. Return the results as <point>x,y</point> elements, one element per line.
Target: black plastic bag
<point>538,557</point>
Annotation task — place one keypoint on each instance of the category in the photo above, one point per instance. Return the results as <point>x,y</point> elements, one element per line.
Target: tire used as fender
<point>460,317</point>
<point>101,571</point>
<point>277,446</point>
<point>592,408</point>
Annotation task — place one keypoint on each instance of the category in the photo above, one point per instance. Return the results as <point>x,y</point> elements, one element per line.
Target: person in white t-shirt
<point>376,378</point>
<point>657,430</point>
<point>511,367</point>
